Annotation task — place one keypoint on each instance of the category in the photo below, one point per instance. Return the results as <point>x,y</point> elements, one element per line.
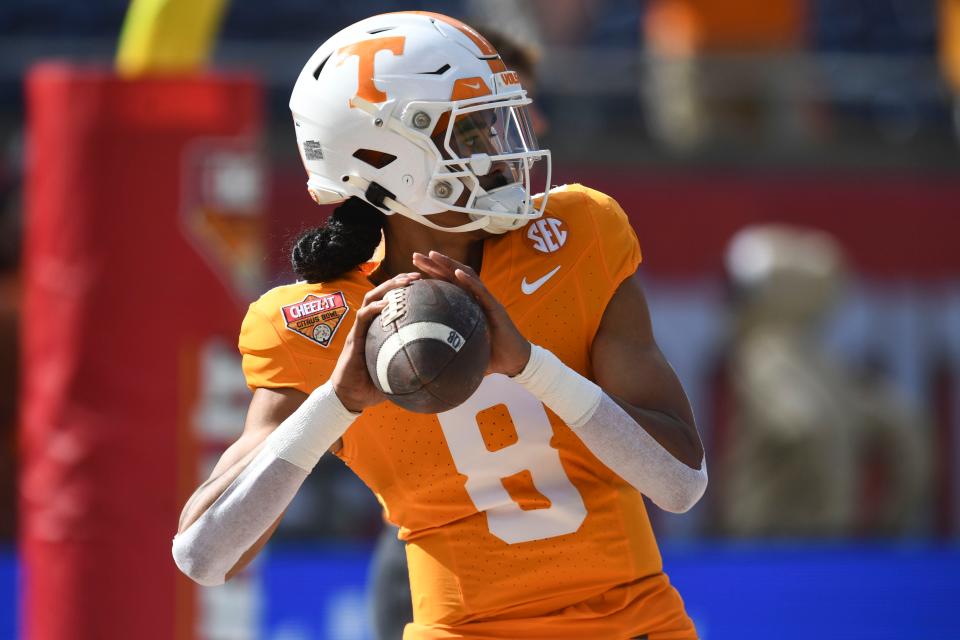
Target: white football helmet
<point>415,113</point>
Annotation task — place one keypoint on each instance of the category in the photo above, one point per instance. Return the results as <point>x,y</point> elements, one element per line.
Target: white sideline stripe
<point>406,335</point>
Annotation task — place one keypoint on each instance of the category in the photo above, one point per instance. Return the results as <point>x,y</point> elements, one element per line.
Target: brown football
<point>429,348</point>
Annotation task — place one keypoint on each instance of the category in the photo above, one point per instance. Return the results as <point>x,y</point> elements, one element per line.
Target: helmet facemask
<point>486,151</point>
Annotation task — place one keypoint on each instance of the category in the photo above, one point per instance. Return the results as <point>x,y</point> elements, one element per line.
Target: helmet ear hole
<point>376,159</point>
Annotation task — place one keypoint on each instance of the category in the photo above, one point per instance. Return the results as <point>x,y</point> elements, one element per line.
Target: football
<point>429,348</point>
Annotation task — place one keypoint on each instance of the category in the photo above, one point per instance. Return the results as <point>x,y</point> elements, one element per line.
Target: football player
<point>522,508</point>
<point>388,589</point>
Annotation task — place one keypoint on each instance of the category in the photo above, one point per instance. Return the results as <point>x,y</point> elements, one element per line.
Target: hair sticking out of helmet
<point>346,240</point>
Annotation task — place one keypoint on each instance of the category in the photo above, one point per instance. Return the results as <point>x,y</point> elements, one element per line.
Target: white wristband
<point>310,430</point>
<point>567,393</point>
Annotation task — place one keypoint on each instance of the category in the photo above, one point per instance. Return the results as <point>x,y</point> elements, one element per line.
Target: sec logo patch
<point>547,234</point>
<point>316,318</point>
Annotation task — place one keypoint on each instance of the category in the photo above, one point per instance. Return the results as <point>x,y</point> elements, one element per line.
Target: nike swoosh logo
<point>531,287</point>
<point>474,85</point>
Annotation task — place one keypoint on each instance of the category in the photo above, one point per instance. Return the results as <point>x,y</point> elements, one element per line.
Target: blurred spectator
<point>674,110</point>
<point>573,24</point>
<point>685,105</point>
<point>950,54</point>
<point>515,19</point>
<point>808,437</point>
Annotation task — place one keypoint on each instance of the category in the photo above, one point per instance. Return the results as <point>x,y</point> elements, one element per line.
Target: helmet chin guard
<point>507,199</point>
<point>416,114</point>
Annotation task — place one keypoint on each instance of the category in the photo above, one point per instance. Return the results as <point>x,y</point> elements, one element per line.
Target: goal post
<point>143,244</point>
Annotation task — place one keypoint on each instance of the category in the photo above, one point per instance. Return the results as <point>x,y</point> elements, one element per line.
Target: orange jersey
<point>514,528</point>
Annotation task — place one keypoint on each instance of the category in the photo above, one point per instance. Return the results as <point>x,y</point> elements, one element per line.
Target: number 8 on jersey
<point>485,469</point>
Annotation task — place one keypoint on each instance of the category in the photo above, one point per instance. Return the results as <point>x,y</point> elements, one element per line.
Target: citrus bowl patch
<point>316,318</point>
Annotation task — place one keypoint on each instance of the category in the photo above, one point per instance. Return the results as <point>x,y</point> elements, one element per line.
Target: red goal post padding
<point>141,247</point>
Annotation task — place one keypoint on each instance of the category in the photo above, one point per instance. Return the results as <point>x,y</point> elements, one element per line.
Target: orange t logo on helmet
<point>366,51</point>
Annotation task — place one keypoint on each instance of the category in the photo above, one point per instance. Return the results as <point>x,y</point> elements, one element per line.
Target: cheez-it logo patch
<point>315,317</point>
<point>546,234</point>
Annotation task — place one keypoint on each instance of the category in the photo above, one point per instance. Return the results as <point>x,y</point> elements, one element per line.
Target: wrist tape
<point>568,394</point>
<point>310,430</point>
<point>611,434</point>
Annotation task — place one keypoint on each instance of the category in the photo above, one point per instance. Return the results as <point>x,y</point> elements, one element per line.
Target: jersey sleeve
<point>267,360</point>
<point>619,247</point>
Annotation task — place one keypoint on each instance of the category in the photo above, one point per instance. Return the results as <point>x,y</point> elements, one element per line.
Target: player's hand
<point>351,380</point>
<point>509,350</point>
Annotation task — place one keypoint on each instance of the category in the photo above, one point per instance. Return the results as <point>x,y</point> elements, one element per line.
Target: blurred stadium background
<point>792,170</point>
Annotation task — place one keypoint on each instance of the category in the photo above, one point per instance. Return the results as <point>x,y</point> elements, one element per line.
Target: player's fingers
<point>381,290</point>
<point>474,285</point>
<point>367,313</point>
<point>436,267</point>
<point>399,280</point>
<point>449,263</point>
<point>466,277</point>
<point>446,268</point>
<point>357,338</point>
<point>437,272</point>
<point>433,268</point>
<point>439,263</point>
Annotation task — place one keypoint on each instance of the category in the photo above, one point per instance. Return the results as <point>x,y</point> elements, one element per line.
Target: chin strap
<point>386,200</point>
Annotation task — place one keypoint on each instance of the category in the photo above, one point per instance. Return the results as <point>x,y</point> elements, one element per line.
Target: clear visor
<point>495,143</point>
<point>494,131</point>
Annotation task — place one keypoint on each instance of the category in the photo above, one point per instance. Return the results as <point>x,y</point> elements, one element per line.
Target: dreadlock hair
<point>345,241</point>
